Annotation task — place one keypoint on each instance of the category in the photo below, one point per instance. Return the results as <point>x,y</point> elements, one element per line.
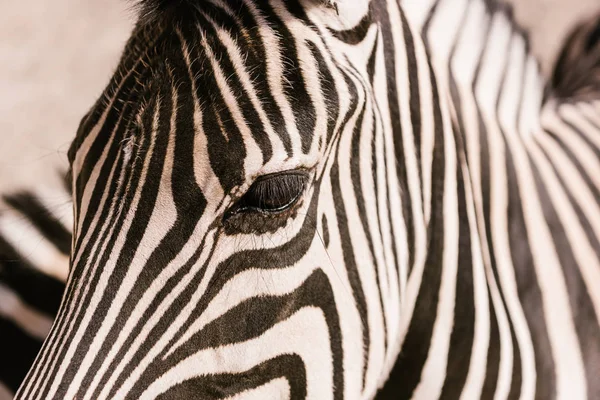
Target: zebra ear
<point>338,14</point>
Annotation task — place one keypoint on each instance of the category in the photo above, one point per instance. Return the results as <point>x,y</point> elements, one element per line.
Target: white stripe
<point>481,335</point>
<point>75,305</point>
<point>507,117</point>
<point>441,35</point>
<point>416,11</point>
<point>58,203</point>
<point>434,370</point>
<point>467,53</point>
<point>488,85</point>
<point>277,389</point>
<point>266,282</point>
<point>359,240</point>
<point>31,244</point>
<point>573,141</point>
<point>573,180</point>
<point>237,60</point>
<point>570,373</point>
<point>463,64</point>
<point>26,317</point>
<point>163,216</point>
<point>589,111</point>
<point>253,158</point>
<point>392,221</point>
<point>230,245</point>
<point>287,337</point>
<point>583,252</point>
<point>82,290</point>
<point>420,237</point>
<point>571,113</point>
<point>274,74</point>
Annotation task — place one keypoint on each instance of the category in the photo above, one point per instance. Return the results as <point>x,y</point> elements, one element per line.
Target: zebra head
<point>241,202</point>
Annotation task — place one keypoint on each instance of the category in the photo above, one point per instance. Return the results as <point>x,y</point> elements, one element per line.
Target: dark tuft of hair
<point>151,10</point>
<point>577,70</point>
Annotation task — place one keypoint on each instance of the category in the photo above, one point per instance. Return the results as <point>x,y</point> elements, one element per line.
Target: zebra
<point>35,240</point>
<point>333,199</point>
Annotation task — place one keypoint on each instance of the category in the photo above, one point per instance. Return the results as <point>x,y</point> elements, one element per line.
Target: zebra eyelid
<point>289,184</point>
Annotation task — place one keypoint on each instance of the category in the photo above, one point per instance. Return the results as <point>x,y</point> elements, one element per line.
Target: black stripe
<point>329,91</point>
<point>582,308</point>
<point>226,148</point>
<point>394,116</point>
<point>251,319</point>
<point>81,272</point>
<point>530,295</point>
<point>18,351</point>
<point>256,53</point>
<point>463,331</point>
<point>350,262</point>
<point>294,83</point>
<point>40,217</point>
<point>189,202</point>
<point>576,161</point>
<point>219,386</point>
<point>415,96</point>
<point>234,83</point>
<point>33,287</point>
<point>406,374</point>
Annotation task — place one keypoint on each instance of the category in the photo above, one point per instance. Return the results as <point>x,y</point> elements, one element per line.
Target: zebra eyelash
<point>271,194</point>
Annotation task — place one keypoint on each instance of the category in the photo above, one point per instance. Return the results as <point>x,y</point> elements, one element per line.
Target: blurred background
<point>56,57</point>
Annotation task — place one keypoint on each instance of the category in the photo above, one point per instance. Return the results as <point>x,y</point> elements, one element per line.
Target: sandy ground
<point>56,56</point>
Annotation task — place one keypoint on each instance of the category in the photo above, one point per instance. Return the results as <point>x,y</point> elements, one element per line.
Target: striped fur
<point>35,240</point>
<point>447,240</point>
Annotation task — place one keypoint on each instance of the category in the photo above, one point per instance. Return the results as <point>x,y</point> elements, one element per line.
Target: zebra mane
<point>149,10</point>
<point>577,70</point>
<point>152,9</point>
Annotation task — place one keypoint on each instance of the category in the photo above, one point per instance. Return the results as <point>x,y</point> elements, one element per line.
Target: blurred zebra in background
<point>35,241</point>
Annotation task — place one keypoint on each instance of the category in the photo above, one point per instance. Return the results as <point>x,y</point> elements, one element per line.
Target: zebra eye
<point>273,193</point>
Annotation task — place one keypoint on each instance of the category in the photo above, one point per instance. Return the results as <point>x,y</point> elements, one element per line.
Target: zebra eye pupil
<point>273,193</point>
